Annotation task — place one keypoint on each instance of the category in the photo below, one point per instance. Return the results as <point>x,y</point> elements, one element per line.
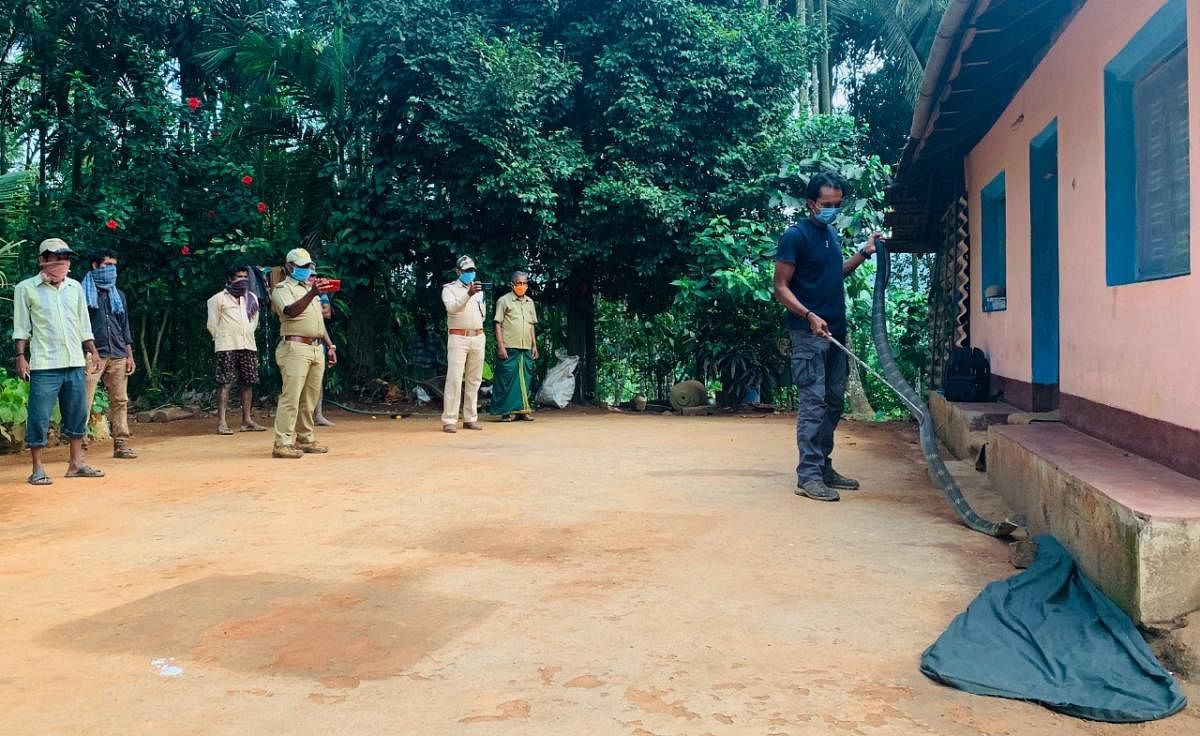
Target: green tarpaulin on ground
<point>1048,635</point>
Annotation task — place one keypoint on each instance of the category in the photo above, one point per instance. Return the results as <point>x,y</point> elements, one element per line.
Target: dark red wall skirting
<point>1026,396</point>
<point>1169,444</point>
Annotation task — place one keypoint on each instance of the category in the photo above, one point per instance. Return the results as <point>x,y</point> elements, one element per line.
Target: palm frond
<point>903,28</point>
<point>8,260</point>
<point>15,190</point>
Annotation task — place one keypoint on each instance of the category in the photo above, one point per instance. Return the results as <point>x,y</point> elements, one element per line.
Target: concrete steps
<point>1132,524</point>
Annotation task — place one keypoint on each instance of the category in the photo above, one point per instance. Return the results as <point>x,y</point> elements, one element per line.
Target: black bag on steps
<point>968,375</point>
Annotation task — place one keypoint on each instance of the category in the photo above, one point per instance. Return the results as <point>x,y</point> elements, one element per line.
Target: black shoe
<point>834,479</point>
<point>817,490</point>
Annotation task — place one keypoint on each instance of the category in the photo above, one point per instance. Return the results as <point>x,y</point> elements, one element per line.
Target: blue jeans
<point>820,371</point>
<point>68,387</point>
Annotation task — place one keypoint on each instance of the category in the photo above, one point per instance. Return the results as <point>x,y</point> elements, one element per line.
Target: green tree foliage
<point>881,47</point>
<point>613,147</point>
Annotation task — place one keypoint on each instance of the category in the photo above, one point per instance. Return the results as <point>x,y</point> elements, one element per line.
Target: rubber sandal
<point>252,428</point>
<point>40,479</point>
<point>506,418</point>
<point>86,471</point>
<point>224,430</point>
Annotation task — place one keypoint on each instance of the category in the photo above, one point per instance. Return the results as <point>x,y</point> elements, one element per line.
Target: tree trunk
<point>860,405</point>
<point>825,81</point>
<point>43,135</point>
<point>362,335</point>
<point>803,98</point>
<point>810,14</point>
<point>581,335</point>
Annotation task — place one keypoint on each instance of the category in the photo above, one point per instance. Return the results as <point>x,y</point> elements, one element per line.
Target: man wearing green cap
<point>299,355</point>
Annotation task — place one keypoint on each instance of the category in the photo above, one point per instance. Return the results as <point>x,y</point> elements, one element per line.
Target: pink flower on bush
<point>247,180</point>
<point>112,224</point>
<point>262,208</point>
<point>193,103</point>
<point>185,251</point>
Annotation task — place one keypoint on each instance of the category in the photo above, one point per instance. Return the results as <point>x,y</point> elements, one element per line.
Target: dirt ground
<point>584,574</point>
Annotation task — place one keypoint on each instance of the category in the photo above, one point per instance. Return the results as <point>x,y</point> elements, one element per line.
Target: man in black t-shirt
<point>809,276</point>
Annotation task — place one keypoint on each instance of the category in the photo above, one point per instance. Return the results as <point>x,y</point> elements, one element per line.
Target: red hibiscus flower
<point>112,224</point>
<point>193,103</point>
<point>262,208</point>
<point>247,180</point>
<point>185,251</point>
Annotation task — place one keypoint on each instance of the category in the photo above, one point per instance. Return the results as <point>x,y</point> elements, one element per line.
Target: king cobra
<point>895,380</point>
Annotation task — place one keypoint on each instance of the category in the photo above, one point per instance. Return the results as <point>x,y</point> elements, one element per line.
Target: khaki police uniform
<point>301,364</point>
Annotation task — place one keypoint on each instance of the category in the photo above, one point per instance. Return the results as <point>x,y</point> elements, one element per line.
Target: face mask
<point>238,288</point>
<point>55,271</point>
<point>827,215</point>
<point>520,289</point>
<point>301,274</point>
<point>466,277</point>
<point>105,276</point>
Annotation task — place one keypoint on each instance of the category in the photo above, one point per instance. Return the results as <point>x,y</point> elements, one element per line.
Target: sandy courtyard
<point>585,574</point>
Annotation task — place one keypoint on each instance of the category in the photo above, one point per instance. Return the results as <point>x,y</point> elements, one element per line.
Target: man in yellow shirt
<point>233,315</point>
<point>463,299</point>
<point>516,346</point>
<point>50,315</point>
<point>299,355</point>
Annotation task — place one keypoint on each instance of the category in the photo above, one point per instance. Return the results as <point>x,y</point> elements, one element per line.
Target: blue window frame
<point>994,229</point>
<point>1148,187</point>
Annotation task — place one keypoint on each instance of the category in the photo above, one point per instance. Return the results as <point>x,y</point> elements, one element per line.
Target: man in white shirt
<point>233,323</point>
<point>465,343</point>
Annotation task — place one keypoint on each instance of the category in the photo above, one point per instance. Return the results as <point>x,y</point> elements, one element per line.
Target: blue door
<point>1043,272</point>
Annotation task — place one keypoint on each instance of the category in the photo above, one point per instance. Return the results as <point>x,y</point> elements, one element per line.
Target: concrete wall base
<point>1133,525</point>
<point>962,426</point>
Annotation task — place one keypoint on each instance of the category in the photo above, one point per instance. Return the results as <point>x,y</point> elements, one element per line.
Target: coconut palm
<point>905,30</point>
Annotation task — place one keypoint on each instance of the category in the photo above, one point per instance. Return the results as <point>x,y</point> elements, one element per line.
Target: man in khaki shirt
<point>516,347</point>
<point>463,299</point>
<point>233,315</point>
<point>301,361</point>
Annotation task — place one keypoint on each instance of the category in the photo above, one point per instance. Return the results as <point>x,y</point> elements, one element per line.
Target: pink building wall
<point>1134,347</point>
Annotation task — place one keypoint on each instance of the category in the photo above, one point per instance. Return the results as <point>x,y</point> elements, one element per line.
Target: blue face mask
<point>105,276</point>
<point>827,215</point>
<point>466,277</point>
<point>301,274</point>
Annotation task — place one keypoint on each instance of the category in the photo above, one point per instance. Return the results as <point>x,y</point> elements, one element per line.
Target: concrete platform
<point>963,426</point>
<point>1133,525</point>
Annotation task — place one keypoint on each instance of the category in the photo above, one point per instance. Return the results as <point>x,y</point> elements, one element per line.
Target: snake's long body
<point>929,444</point>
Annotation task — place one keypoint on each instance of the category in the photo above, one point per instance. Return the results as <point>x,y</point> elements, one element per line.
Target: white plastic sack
<point>559,386</point>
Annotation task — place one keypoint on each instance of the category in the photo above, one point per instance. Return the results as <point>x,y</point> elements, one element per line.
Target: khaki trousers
<point>464,364</point>
<point>302,367</point>
<point>116,383</point>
